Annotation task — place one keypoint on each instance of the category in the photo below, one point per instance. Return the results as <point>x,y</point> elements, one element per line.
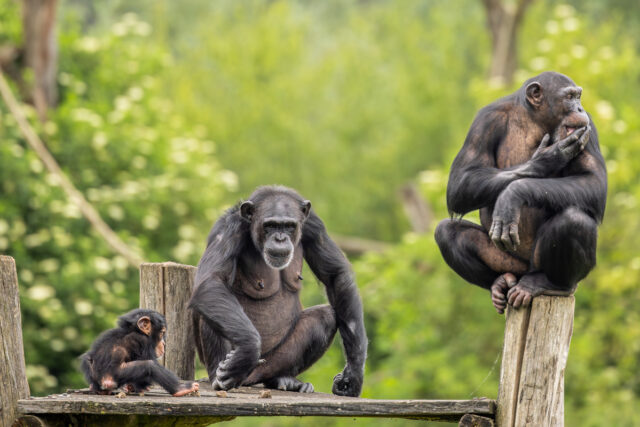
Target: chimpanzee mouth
<point>278,260</point>
<point>570,130</point>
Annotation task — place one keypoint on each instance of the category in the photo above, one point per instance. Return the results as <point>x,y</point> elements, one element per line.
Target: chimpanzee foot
<point>107,383</point>
<point>289,384</point>
<point>186,389</point>
<point>96,389</point>
<point>499,290</point>
<point>530,286</point>
<point>132,389</point>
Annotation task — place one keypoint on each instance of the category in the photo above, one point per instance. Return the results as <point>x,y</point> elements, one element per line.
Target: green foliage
<point>301,94</point>
<point>153,176</point>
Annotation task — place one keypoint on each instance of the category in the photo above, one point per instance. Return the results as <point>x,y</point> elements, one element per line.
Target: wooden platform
<point>246,401</point>
<point>531,392</point>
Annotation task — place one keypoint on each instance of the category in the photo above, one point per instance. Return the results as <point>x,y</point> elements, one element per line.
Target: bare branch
<point>76,197</point>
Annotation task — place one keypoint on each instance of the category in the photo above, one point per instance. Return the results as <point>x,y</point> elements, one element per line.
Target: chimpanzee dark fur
<point>531,163</point>
<point>126,356</point>
<point>249,324</point>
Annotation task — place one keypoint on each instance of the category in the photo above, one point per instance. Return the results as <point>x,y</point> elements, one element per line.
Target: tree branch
<point>76,197</point>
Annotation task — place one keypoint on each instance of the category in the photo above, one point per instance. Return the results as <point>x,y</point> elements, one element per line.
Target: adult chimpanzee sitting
<point>250,326</point>
<point>532,164</point>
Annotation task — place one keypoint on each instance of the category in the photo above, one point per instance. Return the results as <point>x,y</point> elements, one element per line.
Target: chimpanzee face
<point>276,227</point>
<point>557,100</point>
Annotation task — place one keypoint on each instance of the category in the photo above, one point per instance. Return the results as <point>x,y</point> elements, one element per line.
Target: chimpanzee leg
<point>307,342</point>
<point>468,250</point>
<point>149,371</point>
<point>564,253</point>
<point>212,348</point>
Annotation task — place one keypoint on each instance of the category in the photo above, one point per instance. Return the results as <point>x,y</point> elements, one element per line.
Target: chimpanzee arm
<point>475,182</point>
<point>332,268</point>
<point>584,187</point>
<point>214,301</point>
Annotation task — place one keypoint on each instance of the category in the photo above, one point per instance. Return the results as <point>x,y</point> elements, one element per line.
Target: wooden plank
<point>541,388</point>
<point>515,333</point>
<point>66,420</point>
<point>475,421</point>
<point>13,378</point>
<point>246,401</point>
<point>152,289</point>
<point>180,354</point>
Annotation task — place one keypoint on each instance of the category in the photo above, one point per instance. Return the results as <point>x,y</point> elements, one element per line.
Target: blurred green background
<point>170,112</point>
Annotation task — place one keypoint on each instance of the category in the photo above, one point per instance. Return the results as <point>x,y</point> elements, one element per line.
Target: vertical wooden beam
<point>166,288</point>
<point>13,377</point>
<point>515,333</point>
<point>541,390</point>
<point>534,359</point>
<point>152,291</point>
<point>181,352</point>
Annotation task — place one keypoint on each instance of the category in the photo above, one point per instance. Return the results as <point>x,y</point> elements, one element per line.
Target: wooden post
<point>166,288</point>
<point>534,358</point>
<point>13,377</point>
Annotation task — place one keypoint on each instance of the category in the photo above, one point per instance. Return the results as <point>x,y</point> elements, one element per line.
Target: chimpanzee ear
<point>246,210</point>
<point>306,208</point>
<point>534,93</point>
<point>144,324</point>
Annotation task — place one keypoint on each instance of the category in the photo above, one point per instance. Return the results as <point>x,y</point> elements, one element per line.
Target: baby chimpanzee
<point>126,356</point>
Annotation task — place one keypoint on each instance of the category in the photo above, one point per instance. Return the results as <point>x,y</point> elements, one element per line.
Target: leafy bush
<point>152,174</point>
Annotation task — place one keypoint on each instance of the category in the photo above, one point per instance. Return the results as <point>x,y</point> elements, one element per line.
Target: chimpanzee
<point>249,324</point>
<point>126,357</point>
<point>531,163</point>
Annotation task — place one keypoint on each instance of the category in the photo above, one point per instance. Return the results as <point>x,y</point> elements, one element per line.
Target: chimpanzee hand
<point>550,158</point>
<point>506,215</point>
<point>234,369</point>
<point>348,382</point>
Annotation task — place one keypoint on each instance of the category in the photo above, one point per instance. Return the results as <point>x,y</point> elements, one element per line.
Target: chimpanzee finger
<point>546,139</point>
<point>566,142</point>
<point>496,234</point>
<point>497,294</point>
<point>543,144</point>
<point>527,300</point>
<point>515,298</point>
<point>518,299</point>
<point>506,238</point>
<point>515,236</point>
<point>584,139</point>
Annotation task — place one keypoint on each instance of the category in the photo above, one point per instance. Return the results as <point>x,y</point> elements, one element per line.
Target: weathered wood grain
<point>13,378</point>
<point>515,333</point>
<point>469,420</point>
<point>541,387</point>
<point>166,287</point>
<point>152,290</point>
<point>180,354</point>
<point>246,401</point>
<point>67,420</point>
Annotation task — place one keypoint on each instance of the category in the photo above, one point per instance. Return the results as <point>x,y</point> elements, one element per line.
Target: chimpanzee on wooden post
<point>532,164</point>
<point>250,326</point>
<point>126,357</point>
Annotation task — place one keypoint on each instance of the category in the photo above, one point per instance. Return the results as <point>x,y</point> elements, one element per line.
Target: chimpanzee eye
<point>269,227</point>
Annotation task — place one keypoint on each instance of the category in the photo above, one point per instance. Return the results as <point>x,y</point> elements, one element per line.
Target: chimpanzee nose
<point>280,237</point>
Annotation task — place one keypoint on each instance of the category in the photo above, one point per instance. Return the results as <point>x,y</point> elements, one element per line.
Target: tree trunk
<point>41,51</point>
<point>504,21</point>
